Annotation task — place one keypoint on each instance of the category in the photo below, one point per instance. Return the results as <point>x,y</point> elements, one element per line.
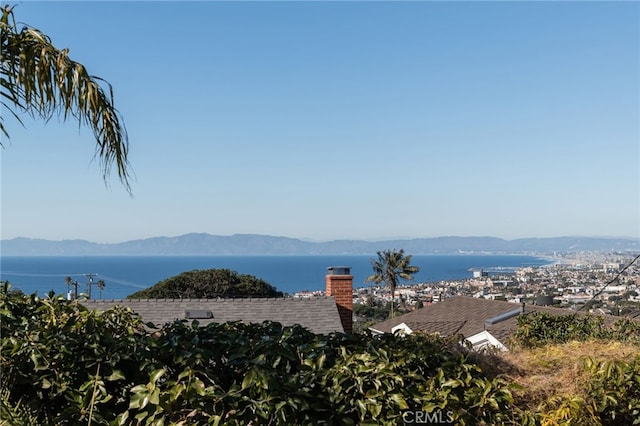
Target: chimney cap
<point>339,270</point>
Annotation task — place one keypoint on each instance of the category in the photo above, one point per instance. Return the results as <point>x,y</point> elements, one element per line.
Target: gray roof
<point>319,314</point>
<point>633,315</point>
<point>467,316</point>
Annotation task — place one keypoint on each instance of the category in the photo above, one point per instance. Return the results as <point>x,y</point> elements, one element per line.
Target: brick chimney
<point>340,286</point>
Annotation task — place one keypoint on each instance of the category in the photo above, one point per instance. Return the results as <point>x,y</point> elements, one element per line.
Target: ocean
<point>124,275</point>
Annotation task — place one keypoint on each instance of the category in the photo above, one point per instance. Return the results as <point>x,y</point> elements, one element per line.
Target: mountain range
<point>197,244</point>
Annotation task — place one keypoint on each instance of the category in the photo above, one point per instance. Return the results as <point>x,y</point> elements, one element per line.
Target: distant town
<point>607,283</point>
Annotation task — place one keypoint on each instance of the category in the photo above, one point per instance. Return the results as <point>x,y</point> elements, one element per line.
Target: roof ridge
<point>216,299</point>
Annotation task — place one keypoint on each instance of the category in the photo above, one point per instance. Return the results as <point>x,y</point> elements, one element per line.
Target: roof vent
<point>198,314</point>
<point>502,317</point>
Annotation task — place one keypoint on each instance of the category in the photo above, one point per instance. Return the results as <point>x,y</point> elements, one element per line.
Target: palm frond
<point>390,266</point>
<point>40,80</point>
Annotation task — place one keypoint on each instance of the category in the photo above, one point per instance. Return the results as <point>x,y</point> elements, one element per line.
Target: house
<point>482,322</point>
<point>321,315</point>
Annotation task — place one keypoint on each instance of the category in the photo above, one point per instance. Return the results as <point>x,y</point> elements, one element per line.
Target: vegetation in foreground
<point>572,369</point>
<point>62,364</point>
<point>581,383</point>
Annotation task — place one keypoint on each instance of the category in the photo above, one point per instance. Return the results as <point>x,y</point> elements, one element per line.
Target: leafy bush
<point>615,391</point>
<point>541,328</point>
<point>60,361</point>
<point>611,397</point>
<point>62,364</point>
<point>208,284</point>
<point>612,387</point>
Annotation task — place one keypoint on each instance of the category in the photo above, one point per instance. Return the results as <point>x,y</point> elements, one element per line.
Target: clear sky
<point>341,120</point>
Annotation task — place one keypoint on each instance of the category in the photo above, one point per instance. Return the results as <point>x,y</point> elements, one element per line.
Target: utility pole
<point>90,283</point>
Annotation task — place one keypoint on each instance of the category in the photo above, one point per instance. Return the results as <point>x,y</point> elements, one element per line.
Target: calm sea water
<point>124,275</point>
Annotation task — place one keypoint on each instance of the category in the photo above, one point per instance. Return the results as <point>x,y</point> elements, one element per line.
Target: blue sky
<point>334,120</point>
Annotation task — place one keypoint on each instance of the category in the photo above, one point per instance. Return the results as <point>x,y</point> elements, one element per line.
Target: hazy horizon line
<point>313,240</point>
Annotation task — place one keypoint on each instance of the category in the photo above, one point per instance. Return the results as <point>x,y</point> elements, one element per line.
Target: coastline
<point>290,274</point>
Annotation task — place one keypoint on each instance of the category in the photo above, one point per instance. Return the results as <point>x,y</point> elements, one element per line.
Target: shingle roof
<point>470,313</point>
<point>319,315</point>
<point>633,315</point>
<point>444,328</point>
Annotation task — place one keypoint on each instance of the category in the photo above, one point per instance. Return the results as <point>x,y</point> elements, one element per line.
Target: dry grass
<point>553,370</point>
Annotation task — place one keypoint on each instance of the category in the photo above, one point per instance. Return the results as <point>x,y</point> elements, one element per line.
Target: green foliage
<point>615,391</point>
<point>389,268</point>
<point>612,398</point>
<point>14,413</point>
<point>208,284</point>
<point>613,387</point>
<point>565,410</point>
<point>540,328</point>
<point>377,312</point>
<point>62,364</point>
<point>54,353</point>
<point>40,80</point>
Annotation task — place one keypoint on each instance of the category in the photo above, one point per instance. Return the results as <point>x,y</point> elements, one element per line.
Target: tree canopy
<point>208,284</point>
<point>40,80</point>
<point>389,268</point>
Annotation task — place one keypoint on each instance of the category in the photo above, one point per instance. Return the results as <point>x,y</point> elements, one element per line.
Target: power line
<point>610,282</point>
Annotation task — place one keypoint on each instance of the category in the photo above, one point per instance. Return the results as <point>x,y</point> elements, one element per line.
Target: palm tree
<point>100,287</point>
<point>390,267</point>
<point>73,283</point>
<point>41,81</point>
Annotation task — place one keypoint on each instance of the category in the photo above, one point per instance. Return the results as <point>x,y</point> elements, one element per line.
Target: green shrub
<point>54,353</point>
<point>62,364</point>
<point>539,328</point>
<point>615,391</point>
<point>208,284</point>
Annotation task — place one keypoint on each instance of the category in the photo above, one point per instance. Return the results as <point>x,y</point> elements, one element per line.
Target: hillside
<point>560,380</point>
<point>248,244</point>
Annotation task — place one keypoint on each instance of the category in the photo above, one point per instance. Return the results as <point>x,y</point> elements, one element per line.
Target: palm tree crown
<point>101,286</point>
<point>40,80</point>
<point>389,268</point>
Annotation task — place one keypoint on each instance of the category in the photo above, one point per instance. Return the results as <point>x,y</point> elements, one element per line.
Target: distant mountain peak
<point>195,244</point>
